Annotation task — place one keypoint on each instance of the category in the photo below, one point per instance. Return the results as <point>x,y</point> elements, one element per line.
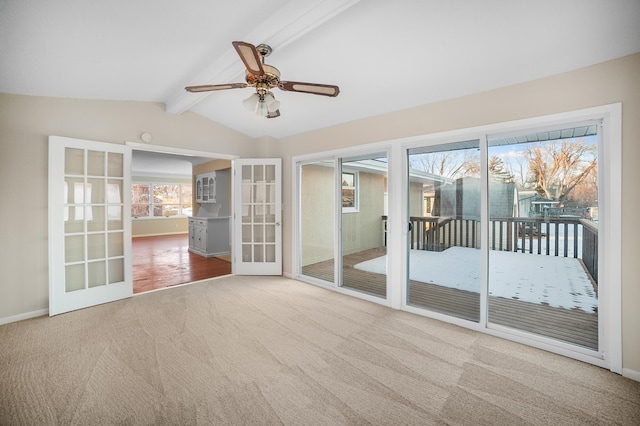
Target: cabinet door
<point>200,240</point>
<point>212,188</point>
<point>192,237</point>
<point>198,190</point>
<point>205,188</point>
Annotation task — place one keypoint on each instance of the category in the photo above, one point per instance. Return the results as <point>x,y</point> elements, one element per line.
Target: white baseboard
<point>160,235</point>
<point>24,316</point>
<point>631,374</point>
<point>287,275</point>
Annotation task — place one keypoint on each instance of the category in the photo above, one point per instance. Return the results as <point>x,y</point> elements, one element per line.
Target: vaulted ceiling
<point>385,55</point>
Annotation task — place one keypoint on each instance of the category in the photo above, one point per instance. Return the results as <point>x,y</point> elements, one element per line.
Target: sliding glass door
<point>543,233</point>
<point>317,220</point>
<point>444,235</point>
<point>343,209</point>
<point>536,193</point>
<point>499,229</point>
<point>363,189</point>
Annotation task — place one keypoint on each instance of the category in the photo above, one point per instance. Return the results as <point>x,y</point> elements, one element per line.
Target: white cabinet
<point>206,188</point>
<point>209,236</point>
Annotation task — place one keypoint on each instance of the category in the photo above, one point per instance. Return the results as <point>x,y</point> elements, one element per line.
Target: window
<point>349,191</point>
<point>160,200</point>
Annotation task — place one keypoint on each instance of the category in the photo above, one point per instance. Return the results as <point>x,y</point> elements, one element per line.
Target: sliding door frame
<point>391,298</point>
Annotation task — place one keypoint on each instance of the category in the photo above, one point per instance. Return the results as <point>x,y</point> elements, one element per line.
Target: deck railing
<point>542,236</point>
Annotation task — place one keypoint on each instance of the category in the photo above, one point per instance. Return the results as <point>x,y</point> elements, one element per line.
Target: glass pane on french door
<point>444,239</point>
<point>317,220</point>
<point>94,243</point>
<point>259,213</point>
<point>543,233</point>
<point>363,186</point>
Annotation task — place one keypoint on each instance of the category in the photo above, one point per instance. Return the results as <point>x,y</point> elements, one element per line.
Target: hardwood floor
<point>163,261</point>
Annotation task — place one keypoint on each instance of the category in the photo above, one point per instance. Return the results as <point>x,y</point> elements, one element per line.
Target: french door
<point>257,234</point>
<point>89,223</point>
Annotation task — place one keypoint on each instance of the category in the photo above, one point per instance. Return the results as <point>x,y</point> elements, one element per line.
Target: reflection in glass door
<point>363,186</point>
<point>543,233</point>
<point>317,230</point>
<point>444,238</point>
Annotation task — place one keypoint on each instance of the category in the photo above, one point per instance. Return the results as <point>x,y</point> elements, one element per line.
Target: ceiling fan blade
<point>313,88</point>
<point>250,57</point>
<point>274,114</point>
<point>213,87</point>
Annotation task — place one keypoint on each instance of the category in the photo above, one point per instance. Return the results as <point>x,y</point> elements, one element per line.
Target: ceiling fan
<point>264,77</point>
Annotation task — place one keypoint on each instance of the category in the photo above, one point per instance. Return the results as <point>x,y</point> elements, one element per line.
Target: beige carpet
<point>249,350</point>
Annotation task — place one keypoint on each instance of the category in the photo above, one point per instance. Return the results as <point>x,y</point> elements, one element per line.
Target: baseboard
<point>24,316</point>
<point>287,275</point>
<point>631,374</point>
<point>160,235</point>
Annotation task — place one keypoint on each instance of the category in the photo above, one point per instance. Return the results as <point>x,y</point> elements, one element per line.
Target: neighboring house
<point>533,205</point>
<point>461,199</point>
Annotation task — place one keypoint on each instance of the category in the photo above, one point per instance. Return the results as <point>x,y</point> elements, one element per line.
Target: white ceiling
<point>385,55</point>
<point>158,164</point>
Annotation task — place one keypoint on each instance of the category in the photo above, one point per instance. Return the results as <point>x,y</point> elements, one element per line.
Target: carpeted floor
<point>269,350</point>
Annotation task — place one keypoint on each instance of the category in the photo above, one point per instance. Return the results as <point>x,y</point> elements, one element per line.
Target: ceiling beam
<point>289,23</point>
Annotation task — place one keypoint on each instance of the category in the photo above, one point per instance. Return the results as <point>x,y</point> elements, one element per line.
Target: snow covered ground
<point>555,281</point>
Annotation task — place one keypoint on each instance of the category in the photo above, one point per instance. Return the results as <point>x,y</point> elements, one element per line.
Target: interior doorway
<point>160,240</point>
<point>164,261</point>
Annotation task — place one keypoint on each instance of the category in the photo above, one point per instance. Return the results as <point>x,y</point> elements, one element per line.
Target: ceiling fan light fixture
<point>273,106</point>
<point>271,102</point>
<point>262,109</point>
<point>251,102</point>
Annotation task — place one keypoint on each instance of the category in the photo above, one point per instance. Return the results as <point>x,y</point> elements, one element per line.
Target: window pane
<point>543,233</point>
<point>139,193</point>
<point>317,212</point>
<point>166,194</point>
<point>348,179</point>
<point>140,210</point>
<point>444,241</point>
<point>363,242</point>
<point>161,200</point>
<point>167,210</point>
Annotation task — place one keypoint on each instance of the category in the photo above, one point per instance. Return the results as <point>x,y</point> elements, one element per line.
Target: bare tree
<point>451,164</point>
<point>557,168</point>
<point>499,172</point>
<point>519,169</point>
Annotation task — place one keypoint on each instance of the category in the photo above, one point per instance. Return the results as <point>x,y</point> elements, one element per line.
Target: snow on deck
<point>554,281</point>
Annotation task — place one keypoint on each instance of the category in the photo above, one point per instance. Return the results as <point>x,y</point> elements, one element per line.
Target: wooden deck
<point>568,325</point>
